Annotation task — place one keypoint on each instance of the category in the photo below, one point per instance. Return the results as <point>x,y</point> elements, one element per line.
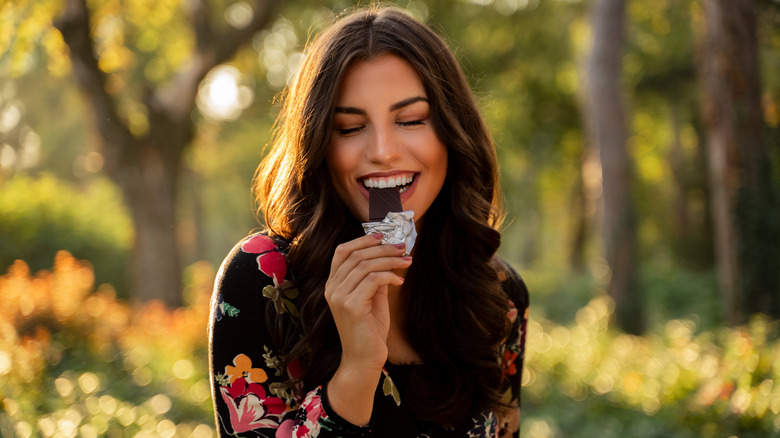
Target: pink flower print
<point>249,407</point>
<point>285,429</point>
<point>270,261</point>
<point>512,313</point>
<point>304,427</point>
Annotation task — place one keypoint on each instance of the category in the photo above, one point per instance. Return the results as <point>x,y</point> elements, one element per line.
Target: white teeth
<point>383,183</point>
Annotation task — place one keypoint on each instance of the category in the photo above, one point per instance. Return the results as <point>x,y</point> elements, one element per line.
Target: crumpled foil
<point>397,227</point>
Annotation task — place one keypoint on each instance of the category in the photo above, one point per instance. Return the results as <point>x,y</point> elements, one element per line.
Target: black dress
<point>249,385</point>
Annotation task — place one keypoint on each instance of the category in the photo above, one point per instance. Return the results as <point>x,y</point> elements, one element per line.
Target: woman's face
<point>383,136</point>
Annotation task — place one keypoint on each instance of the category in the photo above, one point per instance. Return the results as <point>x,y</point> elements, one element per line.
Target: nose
<point>383,147</point>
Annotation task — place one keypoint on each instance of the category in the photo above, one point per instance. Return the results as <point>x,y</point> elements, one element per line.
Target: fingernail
<point>378,236</point>
<point>407,258</point>
<point>400,245</point>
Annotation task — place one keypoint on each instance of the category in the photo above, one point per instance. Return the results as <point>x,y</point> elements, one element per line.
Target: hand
<point>356,292</point>
<point>509,423</point>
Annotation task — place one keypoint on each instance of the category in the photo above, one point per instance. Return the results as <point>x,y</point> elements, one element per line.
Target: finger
<point>344,250</point>
<point>360,299</point>
<point>343,284</point>
<point>340,271</point>
<point>367,266</point>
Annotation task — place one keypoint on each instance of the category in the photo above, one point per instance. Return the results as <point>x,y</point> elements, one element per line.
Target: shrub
<point>586,380</point>
<point>78,361</point>
<point>40,216</point>
<point>74,361</point>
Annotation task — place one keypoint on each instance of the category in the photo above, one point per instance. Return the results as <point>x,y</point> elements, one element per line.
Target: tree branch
<point>204,34</point>
<point>176,98</point>
<point>74,24</point>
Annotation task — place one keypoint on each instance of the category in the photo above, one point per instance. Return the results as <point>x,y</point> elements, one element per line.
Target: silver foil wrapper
<point>396,227</point>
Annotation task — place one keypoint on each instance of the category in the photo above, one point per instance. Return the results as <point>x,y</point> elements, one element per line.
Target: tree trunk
<point>147,166</point>
<point>681,220</point>
<point>150,189</point>
<point>584,199</point>
<point>606,121</point>
<point>579,227</point>
<point>747,235</point>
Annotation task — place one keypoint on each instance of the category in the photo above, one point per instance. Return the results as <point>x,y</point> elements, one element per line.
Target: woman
<point>319,330</point>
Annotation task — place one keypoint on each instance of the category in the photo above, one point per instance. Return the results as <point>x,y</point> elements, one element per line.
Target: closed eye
<point>349,131</point>
<point>412,123</point>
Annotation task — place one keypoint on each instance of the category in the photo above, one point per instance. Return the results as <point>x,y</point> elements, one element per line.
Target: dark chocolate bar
<point>383,201</point>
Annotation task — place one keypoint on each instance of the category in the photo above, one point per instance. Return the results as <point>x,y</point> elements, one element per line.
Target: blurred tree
<point>673,192</point>
<point>144,152</point>
<point>747,231</point>
<point>606,122</point>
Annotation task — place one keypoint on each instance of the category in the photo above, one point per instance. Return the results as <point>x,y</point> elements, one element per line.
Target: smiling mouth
<point>403,182</point>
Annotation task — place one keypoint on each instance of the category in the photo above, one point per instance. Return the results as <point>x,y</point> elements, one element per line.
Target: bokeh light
<point>222,96</point>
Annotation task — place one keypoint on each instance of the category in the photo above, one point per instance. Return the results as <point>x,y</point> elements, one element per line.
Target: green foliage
<point>678,294</point>
<point>584,380</point>
<point>40,216</point>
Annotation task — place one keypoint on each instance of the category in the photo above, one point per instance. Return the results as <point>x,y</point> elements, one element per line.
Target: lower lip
<point>405,195</point>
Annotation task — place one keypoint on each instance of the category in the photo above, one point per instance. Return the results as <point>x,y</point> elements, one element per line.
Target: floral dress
<point>250,390</point>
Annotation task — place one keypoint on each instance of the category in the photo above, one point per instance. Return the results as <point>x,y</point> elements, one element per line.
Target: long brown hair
<point>452,293</point>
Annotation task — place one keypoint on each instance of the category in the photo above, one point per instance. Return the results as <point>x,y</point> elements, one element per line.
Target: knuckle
<point>328,293</point>
<point>340,250</point>
<point>363,265</point>
<point>343,252</point>
<point>352,306</point>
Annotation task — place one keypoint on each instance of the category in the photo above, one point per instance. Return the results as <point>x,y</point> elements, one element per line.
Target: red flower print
<point>270,261</point>
<point>249,407</point>
<point>295,369</point>
<point>241,388</point>
<point>273,265</point>
<point>508,366</point>
<point>258,244</point>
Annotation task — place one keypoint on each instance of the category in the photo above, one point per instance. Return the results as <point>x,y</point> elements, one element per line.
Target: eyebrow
<point>396,106</point>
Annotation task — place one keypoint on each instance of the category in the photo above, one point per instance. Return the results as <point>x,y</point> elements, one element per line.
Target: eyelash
<point>348,131</point>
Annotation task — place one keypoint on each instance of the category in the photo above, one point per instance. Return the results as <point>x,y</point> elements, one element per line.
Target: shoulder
<point>256,261</point>
<point>512,283</point>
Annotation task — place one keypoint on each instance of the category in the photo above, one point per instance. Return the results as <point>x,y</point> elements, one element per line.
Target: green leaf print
<point>388,387</point>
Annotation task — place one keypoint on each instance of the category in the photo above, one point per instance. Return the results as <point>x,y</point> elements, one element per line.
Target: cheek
<point>338,162</point>
<point>435,156</point>
<point>341,165</point>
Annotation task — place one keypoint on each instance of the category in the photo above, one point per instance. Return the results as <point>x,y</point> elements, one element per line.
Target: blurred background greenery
<point>89,349</point>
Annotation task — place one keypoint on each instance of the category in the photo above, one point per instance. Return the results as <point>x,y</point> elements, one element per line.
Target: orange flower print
<point>243,368</point>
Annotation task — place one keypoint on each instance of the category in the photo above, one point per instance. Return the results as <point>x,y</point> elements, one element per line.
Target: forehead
<point>384,75</point>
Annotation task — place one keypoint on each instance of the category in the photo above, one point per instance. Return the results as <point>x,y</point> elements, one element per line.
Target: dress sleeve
<point>254,395</point>
<point>514,346</point>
